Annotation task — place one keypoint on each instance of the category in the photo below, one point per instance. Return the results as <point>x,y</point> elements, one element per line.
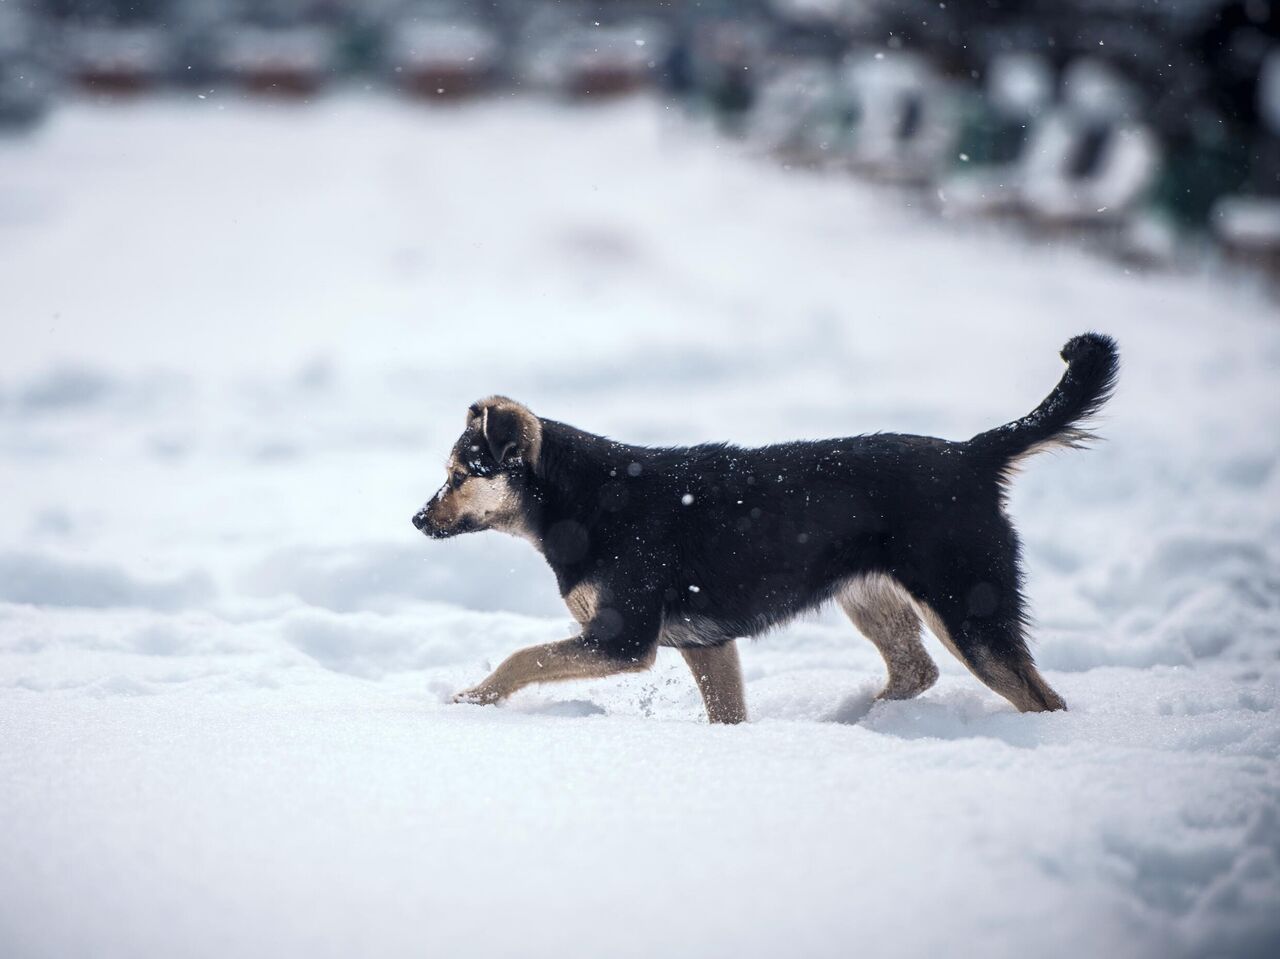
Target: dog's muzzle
<point>424,524</point>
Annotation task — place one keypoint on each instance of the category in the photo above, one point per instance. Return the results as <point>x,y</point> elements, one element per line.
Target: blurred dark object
<point>1248,223</point>
<point>1146,117</point>
<point>1232,42</point>
<point>724,59</point>
<point>196,29</point>
<point>25,82</point>
<point>122,12</point>
<point>1019,88</point>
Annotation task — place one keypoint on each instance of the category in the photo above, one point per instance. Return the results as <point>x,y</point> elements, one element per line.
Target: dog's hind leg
<point>994,650</point>
<point>883,613</point>
<point>969,592</point>
<point>719,677</point>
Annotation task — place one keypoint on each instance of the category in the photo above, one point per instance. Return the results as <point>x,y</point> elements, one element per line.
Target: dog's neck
<point>567,482</point>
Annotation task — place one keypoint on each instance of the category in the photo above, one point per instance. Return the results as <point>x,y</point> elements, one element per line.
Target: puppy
<point>692,547</point>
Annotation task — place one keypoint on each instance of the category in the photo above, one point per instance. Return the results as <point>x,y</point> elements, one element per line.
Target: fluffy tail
<point>1093,364</point>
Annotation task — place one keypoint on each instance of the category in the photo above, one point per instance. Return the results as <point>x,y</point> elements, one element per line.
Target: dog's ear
<point>501,429</point>
<point>510,429</point>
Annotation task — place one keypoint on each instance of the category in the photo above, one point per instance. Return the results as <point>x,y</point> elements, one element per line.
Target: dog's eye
<point>456,479</point>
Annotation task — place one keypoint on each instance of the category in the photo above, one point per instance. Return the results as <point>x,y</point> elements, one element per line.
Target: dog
<point>693,547</point>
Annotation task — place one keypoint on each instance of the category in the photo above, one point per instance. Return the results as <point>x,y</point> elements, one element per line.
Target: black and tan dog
<point>695,546</point>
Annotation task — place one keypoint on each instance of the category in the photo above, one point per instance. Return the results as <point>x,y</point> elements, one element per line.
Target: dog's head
<point>487,475</point>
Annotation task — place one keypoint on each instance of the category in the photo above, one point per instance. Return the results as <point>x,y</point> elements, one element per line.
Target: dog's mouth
<point>423,523</point>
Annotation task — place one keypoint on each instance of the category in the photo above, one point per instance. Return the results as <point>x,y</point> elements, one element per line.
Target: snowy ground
<point>237,344</point>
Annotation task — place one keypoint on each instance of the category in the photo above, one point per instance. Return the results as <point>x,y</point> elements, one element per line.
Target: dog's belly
<point>685,630</point>
<point>684,627</point>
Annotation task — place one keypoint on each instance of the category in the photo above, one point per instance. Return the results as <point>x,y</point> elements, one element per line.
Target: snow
<point>239,342</point>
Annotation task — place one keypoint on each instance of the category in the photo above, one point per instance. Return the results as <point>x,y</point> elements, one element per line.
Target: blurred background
<point>1151,125</point>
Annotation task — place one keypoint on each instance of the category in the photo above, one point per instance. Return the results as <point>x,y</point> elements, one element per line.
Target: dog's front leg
<point>599,651</point>
<point>719,677</point>
<point>569,659</point>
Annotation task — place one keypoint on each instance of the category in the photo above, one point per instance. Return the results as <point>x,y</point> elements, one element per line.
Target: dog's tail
<point>1093,365</point>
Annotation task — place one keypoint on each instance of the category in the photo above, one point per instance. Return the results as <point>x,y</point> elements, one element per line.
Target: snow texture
<point>239,341</point>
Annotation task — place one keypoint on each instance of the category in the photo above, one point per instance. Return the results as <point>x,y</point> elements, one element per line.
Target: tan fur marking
<point>1052,445</point>
<point>582,602</point>
<point>488,501</point>
<point>886,615</point>
<point>719,677</point>
<point>552,662</point>
<point>938,628</point>
<point>1027,691</point>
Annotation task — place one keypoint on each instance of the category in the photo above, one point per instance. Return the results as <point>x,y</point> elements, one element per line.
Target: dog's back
<point>741,539</point>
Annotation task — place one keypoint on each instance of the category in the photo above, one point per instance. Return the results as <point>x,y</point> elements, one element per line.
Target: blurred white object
<point>1149,240</point>
<point>1095,91</point>
<point>288,60</point>
<point>1020,84</point>
<point>908,122</point>
<point>812,11</point>
<point>1069,172</point>
<point>598,59</point>
<point>1093,175</point>
<point>116,59</point>
<point>442,58</point>
<point>794,103</point>
<point>1248,223</point>
<point>1000,189</point>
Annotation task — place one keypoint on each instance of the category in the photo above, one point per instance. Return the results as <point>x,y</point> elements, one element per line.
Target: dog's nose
<point>419,520</point>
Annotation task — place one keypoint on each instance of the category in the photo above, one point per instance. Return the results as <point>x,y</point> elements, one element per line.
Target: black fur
<point>1093,365</point>
<point>699,545</point>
